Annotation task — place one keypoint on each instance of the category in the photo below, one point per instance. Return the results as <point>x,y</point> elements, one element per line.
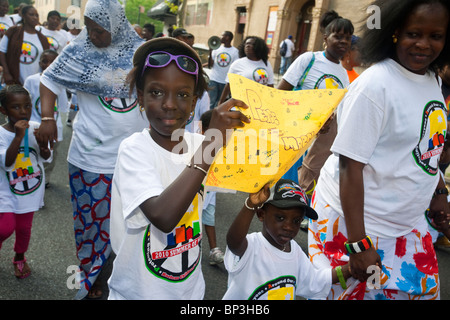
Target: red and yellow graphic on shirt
<point>29,53</point>
<point>223,59</point>
<point>432,137</point>
<point>174,256</point>
<point>25,178</point>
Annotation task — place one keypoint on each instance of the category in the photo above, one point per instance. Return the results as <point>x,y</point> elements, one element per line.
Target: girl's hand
<point>20,128</point>
<point>259,198</point>
<point>224,118</point>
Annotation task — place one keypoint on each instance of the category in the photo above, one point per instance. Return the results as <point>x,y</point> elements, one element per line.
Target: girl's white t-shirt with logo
<point>99,127</point>
<point>22,184</point>
<point>394,122</point>
<point>254,70</point>
<point>324,73</point>
<point>152,264</point>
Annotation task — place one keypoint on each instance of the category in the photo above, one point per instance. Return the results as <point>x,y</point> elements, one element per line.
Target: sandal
<point>19,267</point>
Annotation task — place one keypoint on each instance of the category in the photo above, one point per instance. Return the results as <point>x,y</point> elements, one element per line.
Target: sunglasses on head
<point>160,59</point>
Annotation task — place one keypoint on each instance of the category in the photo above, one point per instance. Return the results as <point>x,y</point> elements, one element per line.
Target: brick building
<point>272,20</point>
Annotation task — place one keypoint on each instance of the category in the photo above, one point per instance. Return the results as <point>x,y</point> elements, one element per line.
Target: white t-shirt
<point>56,38</point>
<point>99,127</point>
<point>22,185</point>
<point>32,85</point>
<point>324,73</point>
<point>290,47</point>
<point>151,264</point>
<point>222,58</point>
<point>31,53</point>
<point>6,22</point>
<point>393,121</point>
<point>254,70</point>
<point>267,273</point>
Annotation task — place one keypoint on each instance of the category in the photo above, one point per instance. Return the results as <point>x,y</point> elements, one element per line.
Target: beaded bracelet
<point>341,278</point>
<point>360,246</point>
<point>48,118</point>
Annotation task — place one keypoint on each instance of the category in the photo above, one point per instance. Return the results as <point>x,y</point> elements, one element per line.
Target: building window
<point>198,13</point>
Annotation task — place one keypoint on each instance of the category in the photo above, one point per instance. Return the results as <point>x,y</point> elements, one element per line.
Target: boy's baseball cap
<point>287,194</point>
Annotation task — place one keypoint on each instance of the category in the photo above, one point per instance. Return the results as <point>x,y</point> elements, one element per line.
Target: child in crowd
<point>270,265</point>
<point>157,193</point>
<point>209,208</point>
<point>22,177</point>
<point>6,21</point>
<point>32,85</point>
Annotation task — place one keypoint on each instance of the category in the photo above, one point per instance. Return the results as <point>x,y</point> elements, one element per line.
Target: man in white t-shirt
<point>287,59</point>
<point>220,61</point>
<point>57,38</point>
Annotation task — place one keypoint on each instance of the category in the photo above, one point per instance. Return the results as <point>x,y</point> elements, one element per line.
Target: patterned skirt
<point>91,201</point>
<point>409,264</point>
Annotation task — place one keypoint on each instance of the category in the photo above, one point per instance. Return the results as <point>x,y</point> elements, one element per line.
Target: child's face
<point>168,98</point>
<point>280,225</point>
<point>338,44</point>
<point>422,38</point>
<point>46,60</point>
<point>17,108</point>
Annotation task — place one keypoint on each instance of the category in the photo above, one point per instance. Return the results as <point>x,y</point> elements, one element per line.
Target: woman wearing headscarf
<point>94,65</point>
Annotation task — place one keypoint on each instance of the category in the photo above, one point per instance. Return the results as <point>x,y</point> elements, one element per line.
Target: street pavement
<point>52,257</point>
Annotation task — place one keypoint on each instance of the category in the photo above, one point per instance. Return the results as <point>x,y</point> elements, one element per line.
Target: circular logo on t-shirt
<point>54,44</point>
<point>174,256</point>
<point>29,53</point>
<point>25,177</point>
<point>328,81</point>
<point>260,75</point>
<point>281,288</point>
<point>432,137</point>
<point>118,104</point>
<point>223,59</point>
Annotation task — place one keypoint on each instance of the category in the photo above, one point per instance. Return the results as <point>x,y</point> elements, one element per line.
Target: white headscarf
<point>99,71</point>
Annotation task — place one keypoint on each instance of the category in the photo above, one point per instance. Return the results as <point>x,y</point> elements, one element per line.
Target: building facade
<point>64,7</point>
<point>272,20</point>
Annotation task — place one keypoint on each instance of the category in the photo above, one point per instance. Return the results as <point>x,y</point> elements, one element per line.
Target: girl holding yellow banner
<point>383,175</point>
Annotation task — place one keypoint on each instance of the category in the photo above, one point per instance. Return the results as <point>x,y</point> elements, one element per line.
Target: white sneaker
<point>215,256</point>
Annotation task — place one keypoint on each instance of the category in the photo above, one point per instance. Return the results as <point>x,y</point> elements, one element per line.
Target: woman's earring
<point>394,38</point>
<point>141,108</point>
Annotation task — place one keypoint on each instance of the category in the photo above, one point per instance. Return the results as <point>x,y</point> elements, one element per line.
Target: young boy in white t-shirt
<point>270,265</point>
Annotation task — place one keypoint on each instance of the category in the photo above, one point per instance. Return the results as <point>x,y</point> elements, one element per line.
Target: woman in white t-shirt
<point>383,175</point>
<point>95,65</point>
<point>21,47</point>
<point>253,64</point>
<point>320,70</point>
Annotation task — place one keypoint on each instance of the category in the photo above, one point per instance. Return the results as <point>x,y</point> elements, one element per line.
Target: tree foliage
<point>135,17</point>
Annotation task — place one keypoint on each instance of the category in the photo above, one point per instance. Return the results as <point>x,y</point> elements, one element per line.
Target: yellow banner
<point>283,126</point>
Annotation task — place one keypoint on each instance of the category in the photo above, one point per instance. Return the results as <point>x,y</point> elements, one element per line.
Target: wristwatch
<point>441,191</point>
